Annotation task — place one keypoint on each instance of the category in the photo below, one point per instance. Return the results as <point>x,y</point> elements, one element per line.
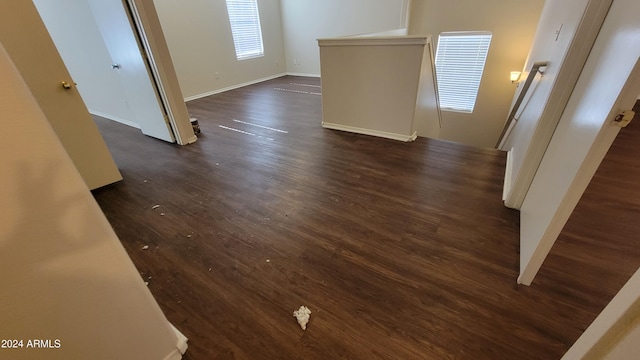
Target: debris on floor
<point>161,214</point>
<point>195,125</point>
<point>155,207</point>
<point>145,247</point>
<point>268,260</point>
<point>302,315</point>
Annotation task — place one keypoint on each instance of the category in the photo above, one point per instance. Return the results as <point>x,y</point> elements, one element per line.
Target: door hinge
<point>624,118</point>
<point>166,120</point>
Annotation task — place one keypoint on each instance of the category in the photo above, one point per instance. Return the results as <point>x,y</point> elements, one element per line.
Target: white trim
<point>609,327</point>
<point>181,346</point>
<point>182,340</point>
<point>233,87</point>
<point>566,77</point>
<point>303,74</point>
<point>394,32</point>
<point>191,140</point>
<point>144,16</point>
<point>507,175</point>
<point>405,14</point>
<point>507,133</point>
<point>383,134</point>
<point>116,119</point>
<point>374,41</point>
<point>173,355</point>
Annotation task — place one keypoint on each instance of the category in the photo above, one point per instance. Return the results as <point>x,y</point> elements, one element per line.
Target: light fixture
<point>515,77</point>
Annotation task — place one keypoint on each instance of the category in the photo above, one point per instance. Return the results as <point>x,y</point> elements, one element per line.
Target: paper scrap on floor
<point>302,315</point>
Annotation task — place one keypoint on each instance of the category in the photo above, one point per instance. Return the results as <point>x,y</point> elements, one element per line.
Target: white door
<point>27,42</point>
<point>129,65</point>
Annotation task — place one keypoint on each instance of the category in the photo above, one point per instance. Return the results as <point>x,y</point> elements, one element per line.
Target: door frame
<point>143,15</point>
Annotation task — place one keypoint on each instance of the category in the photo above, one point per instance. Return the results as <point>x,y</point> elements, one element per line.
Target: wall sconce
<point>515,77</point>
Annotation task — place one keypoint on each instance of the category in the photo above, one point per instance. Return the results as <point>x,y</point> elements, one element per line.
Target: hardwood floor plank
<point>400,250</point>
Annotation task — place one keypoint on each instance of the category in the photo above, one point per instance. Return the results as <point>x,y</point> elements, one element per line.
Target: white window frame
<point>245,28</point>
<point>460,61</point>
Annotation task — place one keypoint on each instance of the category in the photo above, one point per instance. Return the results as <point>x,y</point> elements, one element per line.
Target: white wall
<point>513,25</point>
<point>566,53</point>
<point>63,271</point>
<point>199,37</point>
<point>86,56</point>
<point>381,105</point>
<point>608,83</point>
<point>305,21</point>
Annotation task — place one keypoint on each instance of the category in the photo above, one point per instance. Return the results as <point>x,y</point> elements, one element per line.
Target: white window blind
<point>460,60</point>
<point>245,28</point>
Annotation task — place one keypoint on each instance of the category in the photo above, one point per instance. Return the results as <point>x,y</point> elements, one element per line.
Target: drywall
<point>564,37</point>
<point>65,277</point>
<point>381,105</point>
<point>86,56</point>
<point>513,24</point>
<point>199,37</point>
<point>304,21</point>
<point>608,83</point>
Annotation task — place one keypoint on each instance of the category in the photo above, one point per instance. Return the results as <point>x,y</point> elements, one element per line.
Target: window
<point>460,61</point>
<point>245,27</point>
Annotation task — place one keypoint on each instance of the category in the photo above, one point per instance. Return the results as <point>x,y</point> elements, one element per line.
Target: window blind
<point>245,28</point>
<point>460,60</point>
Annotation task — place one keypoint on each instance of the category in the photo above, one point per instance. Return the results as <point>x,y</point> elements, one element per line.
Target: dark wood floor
<point>600,244</point>
<point>400,250</point>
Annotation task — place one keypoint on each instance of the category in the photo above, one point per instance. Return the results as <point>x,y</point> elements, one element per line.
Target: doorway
<point>105,58</point>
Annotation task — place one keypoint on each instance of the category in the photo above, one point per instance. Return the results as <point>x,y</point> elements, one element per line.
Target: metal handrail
<point>535,69</point>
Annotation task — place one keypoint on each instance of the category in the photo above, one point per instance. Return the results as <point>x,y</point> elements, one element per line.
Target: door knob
<point>65,85</point>
<point>115,66</point>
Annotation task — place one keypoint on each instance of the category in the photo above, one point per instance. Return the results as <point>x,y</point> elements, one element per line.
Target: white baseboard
<point>383,134</point>
<point>218,91</point>
<point>233,87</point>
<point>181,346</point>
<point>191,140</point>
<point>182,340</point>
<point>115,118</point>
<point>507,175</point>
<point>174,355</point>
<point>303,74</point>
